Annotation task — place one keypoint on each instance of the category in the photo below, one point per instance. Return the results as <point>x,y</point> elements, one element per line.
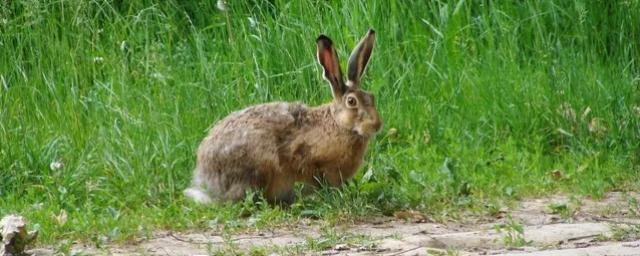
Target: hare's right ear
<point>328,58</point>
<point>359,58</point>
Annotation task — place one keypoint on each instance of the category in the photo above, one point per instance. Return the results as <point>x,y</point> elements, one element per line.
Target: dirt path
<point>551,226</point>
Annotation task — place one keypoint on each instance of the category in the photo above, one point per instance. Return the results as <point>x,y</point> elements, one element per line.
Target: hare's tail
<point>198,195</point>
<point>197,191</point>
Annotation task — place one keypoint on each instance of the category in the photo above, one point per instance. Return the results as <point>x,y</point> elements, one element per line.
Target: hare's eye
<point>351,102</point>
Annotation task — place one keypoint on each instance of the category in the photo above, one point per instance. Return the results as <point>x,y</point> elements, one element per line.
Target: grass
<point>483,103</point>
<point>512,233</point>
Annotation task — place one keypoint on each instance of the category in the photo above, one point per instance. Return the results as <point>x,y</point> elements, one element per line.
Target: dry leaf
<point>61,218</point>
<point>596,126</point>
<point>342,247</point>
<point>585,113</point>
<point>500,214</point>
<point>557,174</point>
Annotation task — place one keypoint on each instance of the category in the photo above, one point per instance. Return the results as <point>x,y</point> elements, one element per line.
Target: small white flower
<point>253,22</point>
<point>158,76</point>
<point>221,5</point>
<point>124,46</point>
<point>98,59</point>
<point>56,165</point>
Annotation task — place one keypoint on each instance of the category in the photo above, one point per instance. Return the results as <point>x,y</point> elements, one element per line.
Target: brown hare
<point>271,146</point>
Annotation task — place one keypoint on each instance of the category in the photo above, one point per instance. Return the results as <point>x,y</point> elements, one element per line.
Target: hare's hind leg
<point>280,191</point>
<point>236,192</point>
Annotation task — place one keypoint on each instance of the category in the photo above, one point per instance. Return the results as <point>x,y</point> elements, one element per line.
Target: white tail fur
<point>198,195</point>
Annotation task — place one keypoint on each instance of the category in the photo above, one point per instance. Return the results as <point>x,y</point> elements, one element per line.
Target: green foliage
<point>625,232</point>
<point>103,103</point>
<point>513,233</point>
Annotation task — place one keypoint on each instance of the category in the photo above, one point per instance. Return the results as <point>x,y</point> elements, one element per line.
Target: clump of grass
<point>481,101</point>
<point>513,233</point>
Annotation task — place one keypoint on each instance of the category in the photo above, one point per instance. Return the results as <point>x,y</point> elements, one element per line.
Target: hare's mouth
<point>365,131</point>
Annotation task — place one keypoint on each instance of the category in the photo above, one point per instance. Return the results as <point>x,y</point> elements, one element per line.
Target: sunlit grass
<point>489,103</point>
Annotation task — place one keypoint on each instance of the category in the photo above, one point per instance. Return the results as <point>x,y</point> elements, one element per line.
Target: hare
<point>269,147</point>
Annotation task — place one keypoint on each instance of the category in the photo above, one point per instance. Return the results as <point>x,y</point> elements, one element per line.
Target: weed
<point>513,233</point>
<point>634,207</point>
<point>566,210</point>
<point>625,232</point>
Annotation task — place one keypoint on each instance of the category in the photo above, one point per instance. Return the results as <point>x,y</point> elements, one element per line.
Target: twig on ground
<point>174,236</point>
<point>405,251</point>
<point>581,237</point>
<point>616,221</point>
<point>171,234</point>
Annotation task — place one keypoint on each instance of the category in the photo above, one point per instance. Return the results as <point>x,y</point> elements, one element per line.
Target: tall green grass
<point>489,101</point>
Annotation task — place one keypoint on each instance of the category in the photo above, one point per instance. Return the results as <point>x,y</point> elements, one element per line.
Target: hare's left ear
<point>328,58</point>
<point>359,58</point>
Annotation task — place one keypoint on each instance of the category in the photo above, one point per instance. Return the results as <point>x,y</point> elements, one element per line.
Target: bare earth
<point>576,227</point>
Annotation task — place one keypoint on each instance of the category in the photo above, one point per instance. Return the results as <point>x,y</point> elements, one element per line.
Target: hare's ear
<point>328,58</point>
<point>359,58</point>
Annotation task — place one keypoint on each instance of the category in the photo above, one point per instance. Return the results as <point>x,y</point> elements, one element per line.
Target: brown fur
<point>274,145</point>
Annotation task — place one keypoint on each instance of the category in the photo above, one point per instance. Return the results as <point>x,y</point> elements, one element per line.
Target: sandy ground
<point>576,227</point>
